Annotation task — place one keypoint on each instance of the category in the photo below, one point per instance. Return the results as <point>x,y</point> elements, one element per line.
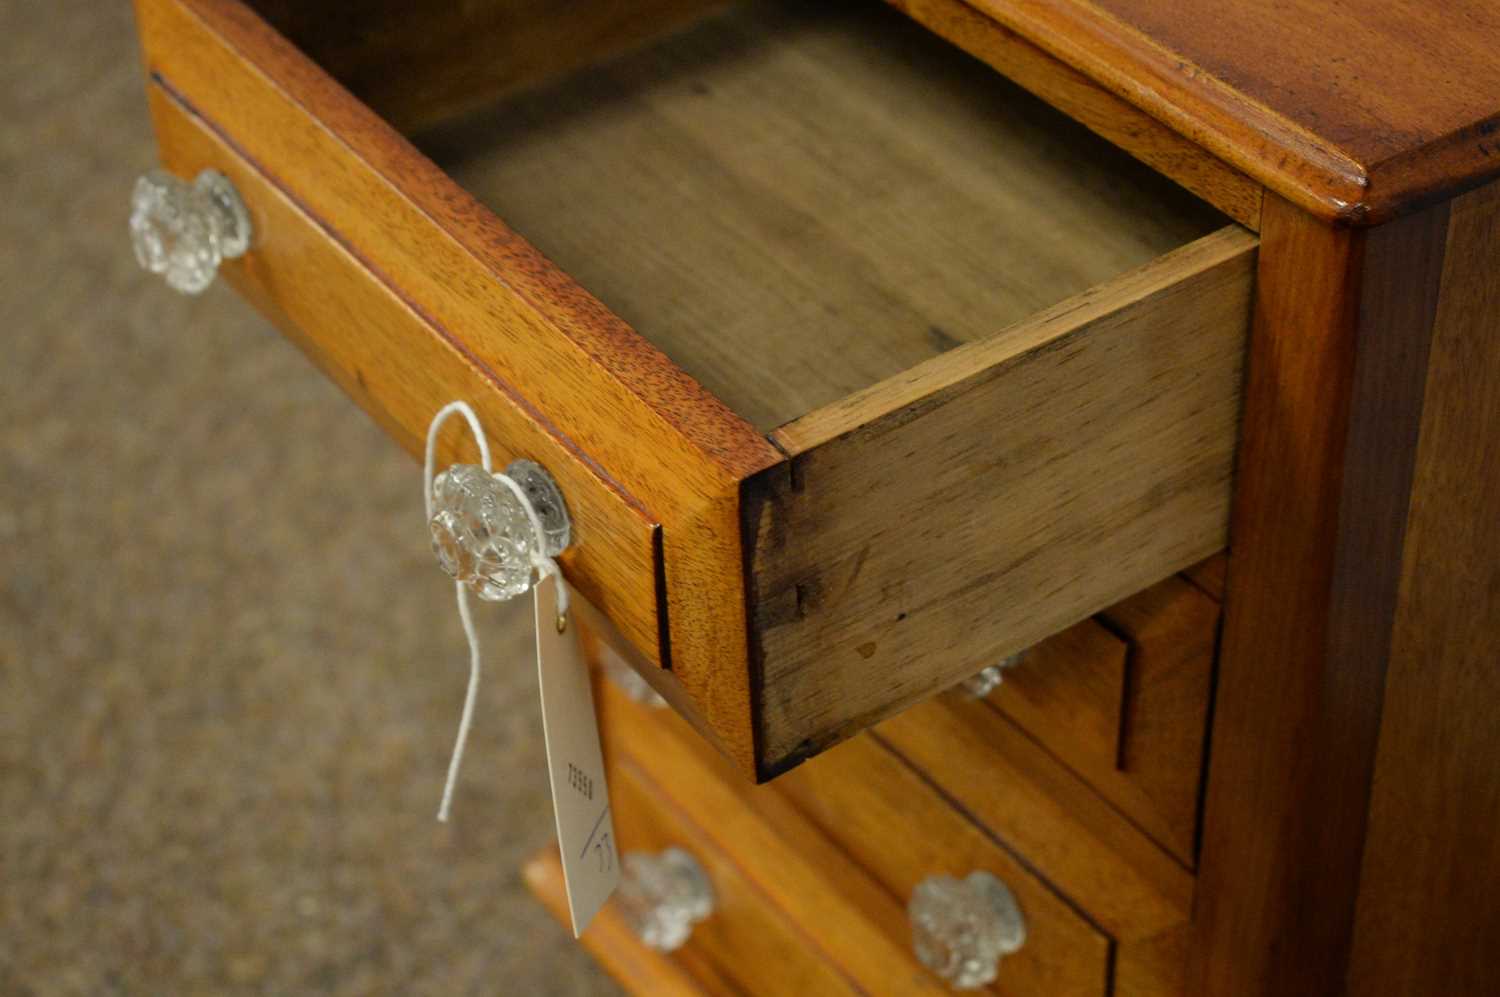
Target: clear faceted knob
<point>662,896</point>
<point>183,230</point>
<point>989,678</point>
<point>481,533</point>
<point>962,928</point>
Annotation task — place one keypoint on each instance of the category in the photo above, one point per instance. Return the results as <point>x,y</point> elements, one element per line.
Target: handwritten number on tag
<point>604,850</point>
<point>580,781</point>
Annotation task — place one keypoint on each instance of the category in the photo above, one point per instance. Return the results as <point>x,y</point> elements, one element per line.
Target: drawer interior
<point>796,201</point>
<point>994,364</point>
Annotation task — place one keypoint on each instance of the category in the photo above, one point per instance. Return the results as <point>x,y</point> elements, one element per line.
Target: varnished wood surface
<point>415,64</point>
<point>583,373</point>
<point>401,368</point>
<point>797,201</point>
<point>901,828</point>
<point>1090,104</point>
<point>1210,575</point>
<point>1154,967</point>
<point>1428,916</point>
<point>1129,713</point>
<point>1123,881</point>
<point>843,915</point>
<point>748,939</point>
<point>1353,113</point>
<point>578,372</point>
<point>640,970</point>
<point>992,496</point>
<point>1068,692</point>
<point>1333,395</point>
<point>1173,632</point>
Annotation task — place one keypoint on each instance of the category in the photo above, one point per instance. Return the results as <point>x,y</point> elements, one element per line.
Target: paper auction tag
<point>580,799</point>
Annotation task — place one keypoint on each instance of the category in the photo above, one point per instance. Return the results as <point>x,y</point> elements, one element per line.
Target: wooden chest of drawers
<point>871,345</point>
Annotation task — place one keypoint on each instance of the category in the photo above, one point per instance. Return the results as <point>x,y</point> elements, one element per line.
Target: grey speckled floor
<point>229,671</point>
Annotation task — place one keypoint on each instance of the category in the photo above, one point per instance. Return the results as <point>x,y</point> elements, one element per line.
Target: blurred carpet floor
<point>230,672</point>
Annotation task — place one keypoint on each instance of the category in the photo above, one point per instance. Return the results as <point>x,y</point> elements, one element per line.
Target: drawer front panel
<point>575,369</point>
<point>1096,857</point>
<point>610,940</point>
<point>401,369</point>
<point>839,911</point>
<point>1122,700</point>
<point>897,826</point>
<point>844,864</point>
<point>746,938</point>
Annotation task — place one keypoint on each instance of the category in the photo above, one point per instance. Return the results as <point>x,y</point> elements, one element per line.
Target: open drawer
<point>892,370</point>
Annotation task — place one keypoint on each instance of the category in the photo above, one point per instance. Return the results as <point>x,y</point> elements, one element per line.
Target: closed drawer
<point>795,914</point>
<point>1092,853</point>
<point>841,845</point>
<point>892,371</point>
<point>614,943</point>
<point>1122,699</point>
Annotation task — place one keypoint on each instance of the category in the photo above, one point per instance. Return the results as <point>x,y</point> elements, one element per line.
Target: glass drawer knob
<point>962,928</point>
<point>989,678</point>
<point>183,230</point>
<point>662,896</point>
<point>481,533</point>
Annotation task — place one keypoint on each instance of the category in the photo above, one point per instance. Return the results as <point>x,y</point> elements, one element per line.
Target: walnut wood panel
<point>1038,808</point>
<point>747,938</point>
<point>1069,693</point>
<point>994,495</point>
<point>640,970</point>
<point>1130,718</point>
<point>795,201</point>
<point>1428,914</point>
<point>1173,632</point>
<point>420,63</point>
<point>585,374</point>
<point>1334,389</point>
<point>902,829</point>
<point>842,912</point>
<point>1210,575</point>
<point>401,368</point>
<point>1351,115</point>
<point>1154,967</point>
<point>1085,101</point>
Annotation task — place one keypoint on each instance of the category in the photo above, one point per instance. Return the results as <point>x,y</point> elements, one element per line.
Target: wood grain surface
<point>902,829</point>
<point>843,914</point>
<point>1173,630</point>
<point>416,64</point>
<point>1069,692</point>
<point>1123,699</point>
<point>1210,575</point>
<point>583,372</point>
<point>1333,395</point>
<point>1355,115</point>
<point>401,369</point>
<point>1428,915</point>
<point>794,202</point>
<point>748,939</point>
<point>992,496</point>
<point>1092,105</point>
<point>1036,806</point>
<point>641,971</point>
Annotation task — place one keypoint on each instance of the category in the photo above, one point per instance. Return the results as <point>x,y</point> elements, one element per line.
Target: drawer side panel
<point>995,495</point>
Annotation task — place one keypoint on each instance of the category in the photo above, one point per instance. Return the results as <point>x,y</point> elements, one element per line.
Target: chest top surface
<point>1354,110</point>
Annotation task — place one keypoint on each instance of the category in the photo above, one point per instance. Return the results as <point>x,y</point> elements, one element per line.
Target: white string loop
<point>543,564</point>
